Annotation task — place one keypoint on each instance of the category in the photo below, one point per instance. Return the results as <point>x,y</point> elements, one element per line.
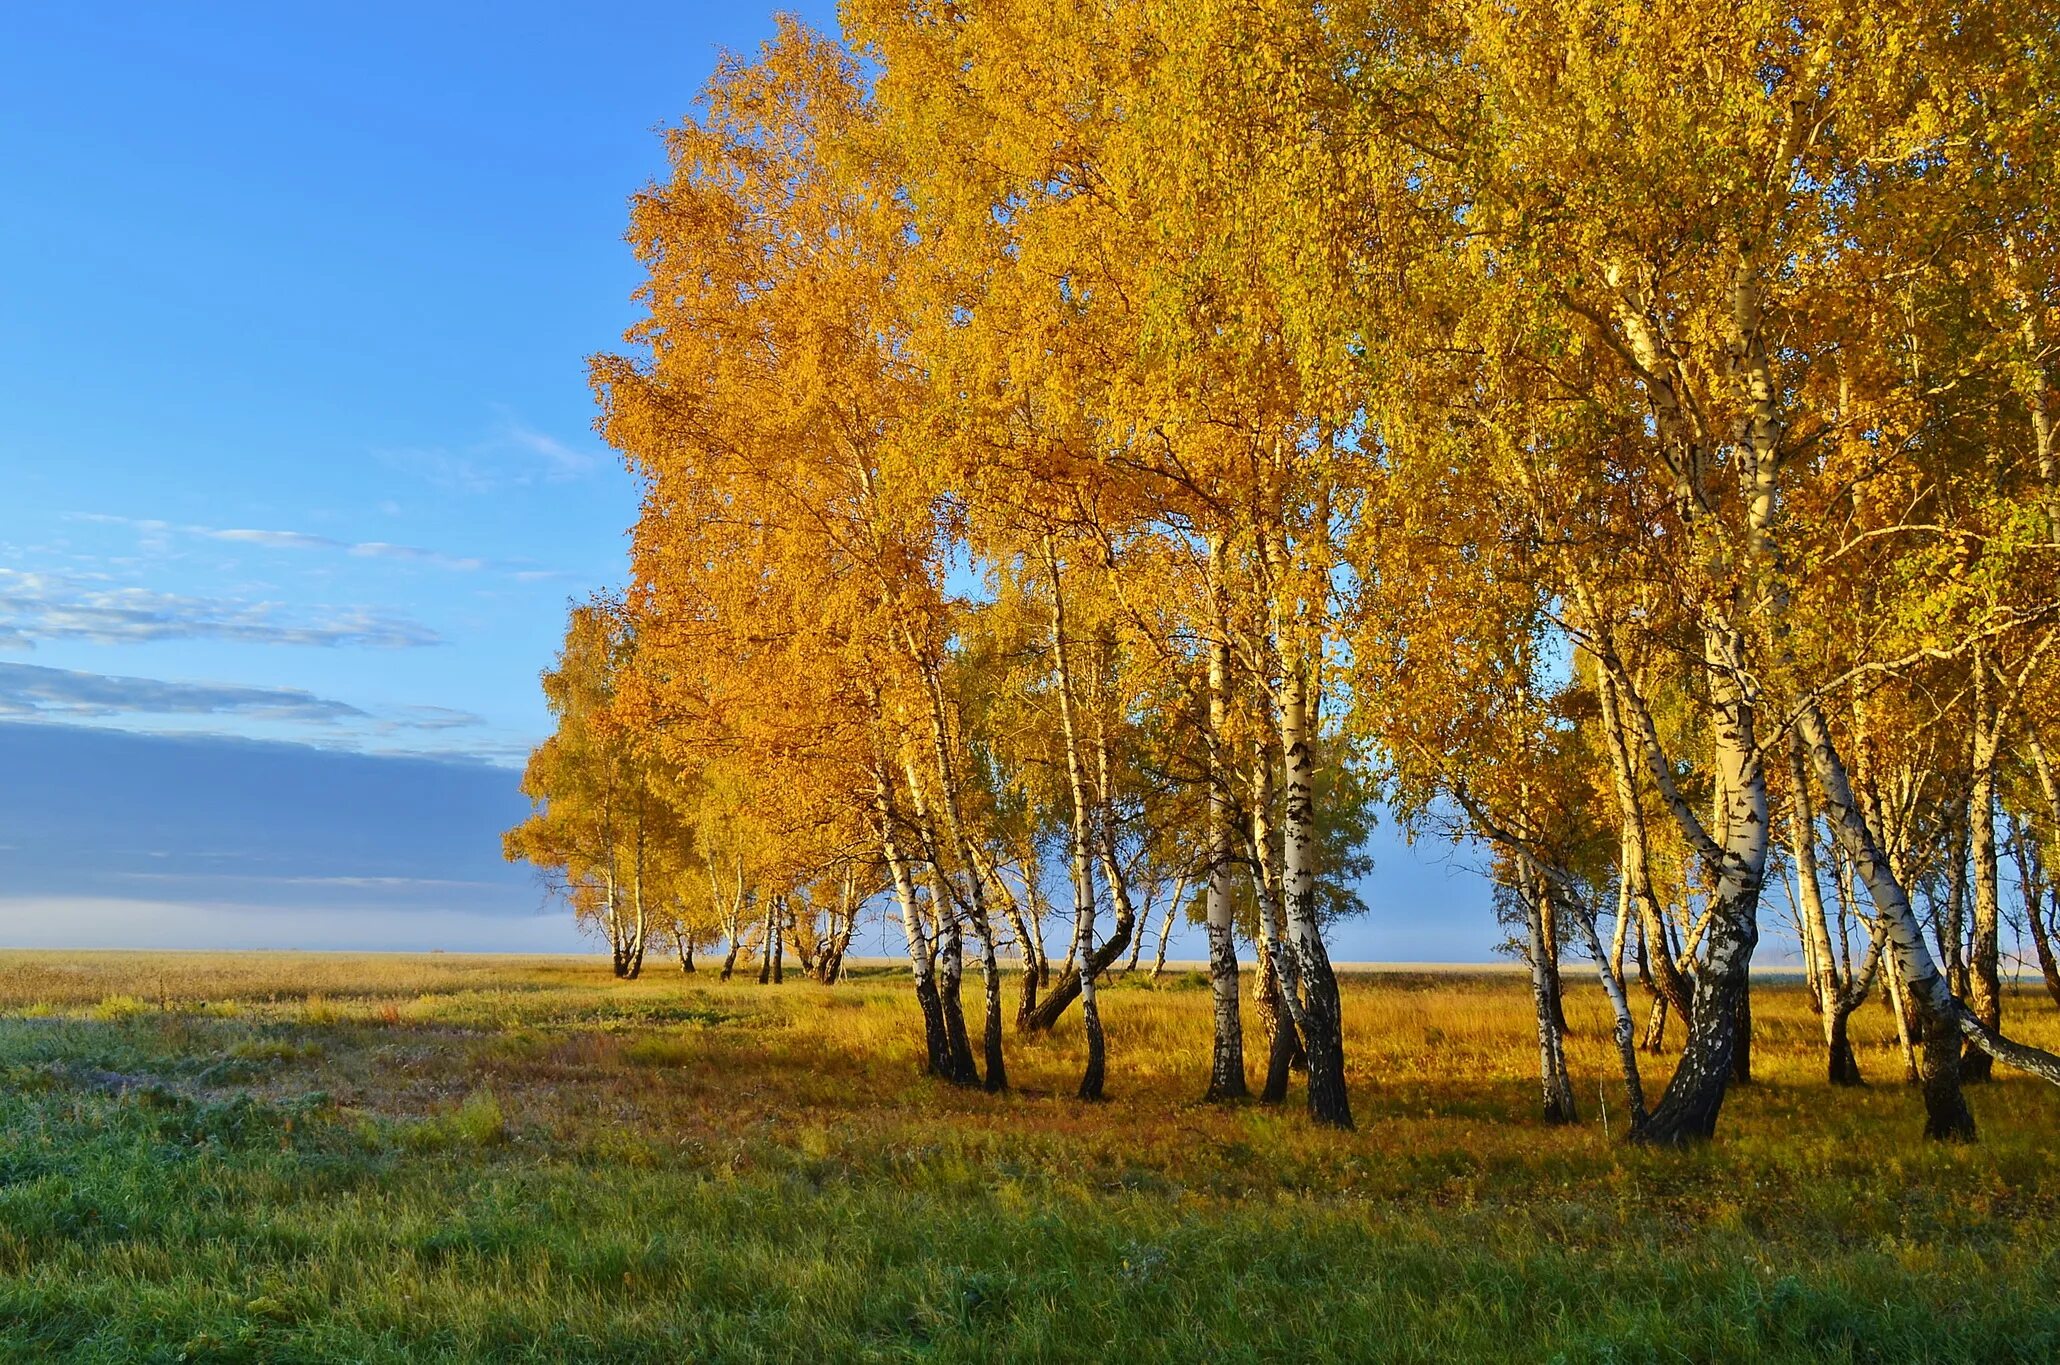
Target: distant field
<point>274,1157</point>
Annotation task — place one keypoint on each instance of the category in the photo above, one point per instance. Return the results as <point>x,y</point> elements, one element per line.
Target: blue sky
<point>294,309</point>
<point>294,306</point>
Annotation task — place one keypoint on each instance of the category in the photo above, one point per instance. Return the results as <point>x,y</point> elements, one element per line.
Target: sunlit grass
<point>256,1156</point>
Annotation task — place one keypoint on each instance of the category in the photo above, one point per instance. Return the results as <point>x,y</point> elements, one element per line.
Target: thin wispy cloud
<point>46,606</point>
<point>512,454</point>
<point>556,457</point>
<point>434,718</point>
<point>271,540</point>
<point>157,533</point>
<point>376,549</point>
<point>34,692</point>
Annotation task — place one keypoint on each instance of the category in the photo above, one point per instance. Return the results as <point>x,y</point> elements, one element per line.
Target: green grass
<point>463,1159</point>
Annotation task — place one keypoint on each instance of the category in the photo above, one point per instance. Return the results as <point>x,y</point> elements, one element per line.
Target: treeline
<point>1090,451</point>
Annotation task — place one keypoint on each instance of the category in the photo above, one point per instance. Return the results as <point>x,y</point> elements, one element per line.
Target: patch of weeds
<point>238,1122</point>
<point>521,1045</point>
<point>476,1122</point>
<point>663,1050</point>
<point>478,1235</point>
<point>113,1008</point>
<point>706,1016</point>
<point>479,1120</point>
<point>612,1147</point>
<point>277,1050</point>
<point>23,1167</point>
<point>979,1295</point>
<point>1143,1262</point>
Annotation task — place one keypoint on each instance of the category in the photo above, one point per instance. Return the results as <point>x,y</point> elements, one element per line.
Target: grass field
<point>275,1157</point>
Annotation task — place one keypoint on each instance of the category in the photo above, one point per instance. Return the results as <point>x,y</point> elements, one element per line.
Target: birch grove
<point>1096,456</point>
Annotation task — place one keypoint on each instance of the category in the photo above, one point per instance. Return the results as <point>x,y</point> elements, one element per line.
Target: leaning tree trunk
<point>936,1045</point>
<point>1165,933</point>
<point>1946,1114</point>
<point>1828,987</point>
<point>1623,1030</point>
<point>1049,1010</point>
<point>1662,972</point>
<point>1941,1013</point>
<point>976,884</point>
<point>1029,930</point>
<point>1654,1039</point>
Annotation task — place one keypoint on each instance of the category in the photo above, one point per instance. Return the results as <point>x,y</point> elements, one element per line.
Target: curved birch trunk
<point>1165,932</point>
<point>1623,1029</point>
<point>1834,994</point>
<point>1946,1114</point>
<point>950,941</point>
<point>975,882</point>
<point>1020,925</point>
<point>936,1046</point>
<point>1687,1110</point>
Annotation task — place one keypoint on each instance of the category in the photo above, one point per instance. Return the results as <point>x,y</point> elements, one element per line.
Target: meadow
<point>274,1157</point>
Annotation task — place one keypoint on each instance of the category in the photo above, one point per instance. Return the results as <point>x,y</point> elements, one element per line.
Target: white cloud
<point>379,549</point>
<point>561,460</point>
<point>46,606</point>
<point>512,454</point>
<point>118,922</point>
<point>272,540</point>
<point>29,690</point>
